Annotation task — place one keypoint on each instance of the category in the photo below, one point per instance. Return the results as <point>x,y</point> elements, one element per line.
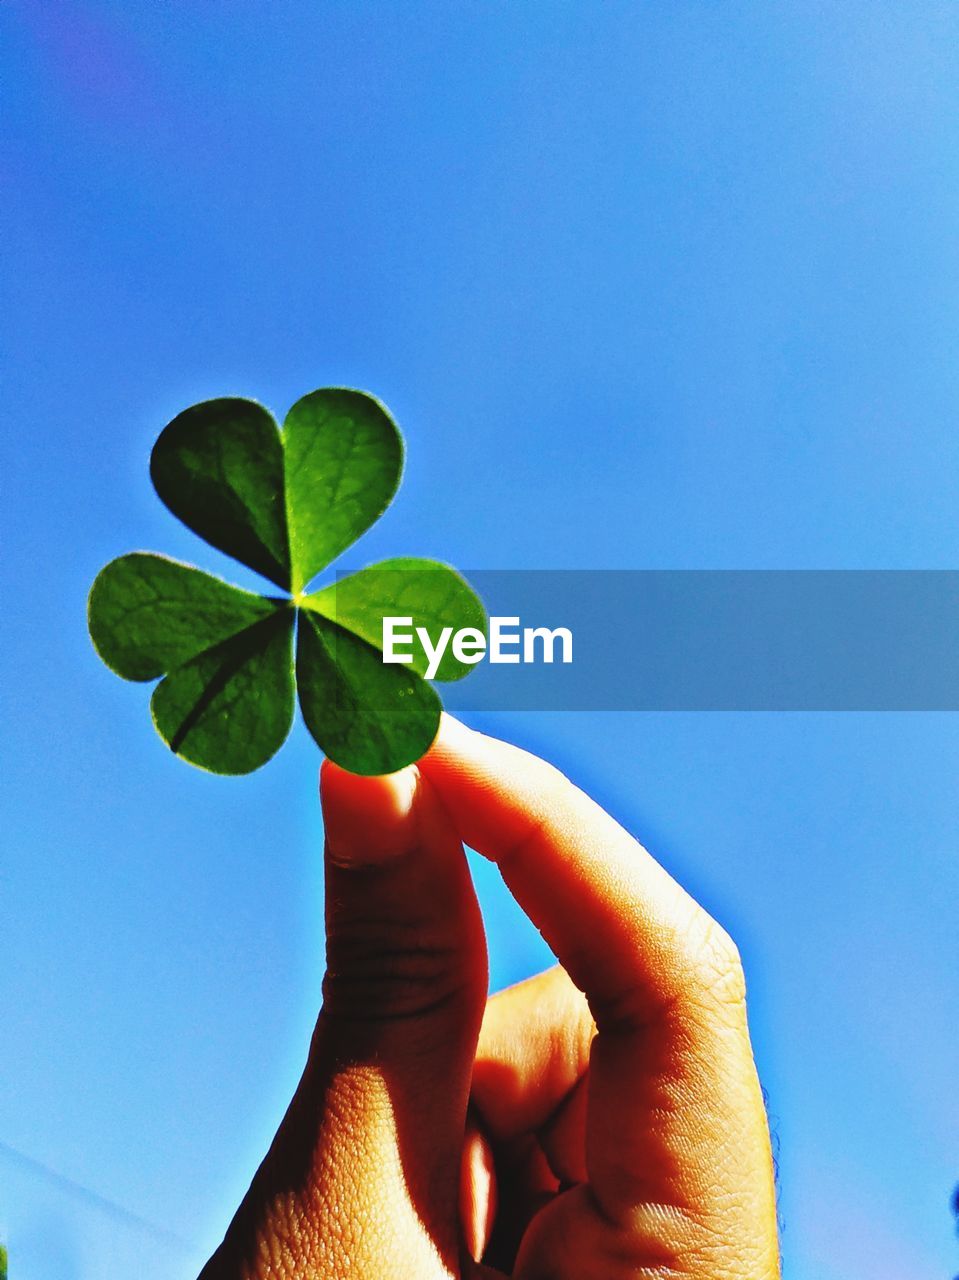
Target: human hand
<point>603,1121</point>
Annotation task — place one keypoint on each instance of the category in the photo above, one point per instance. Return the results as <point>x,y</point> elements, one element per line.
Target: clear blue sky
<point>665,284</point>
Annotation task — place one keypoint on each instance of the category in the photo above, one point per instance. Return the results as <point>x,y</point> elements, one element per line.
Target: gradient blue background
<point>647,285</point>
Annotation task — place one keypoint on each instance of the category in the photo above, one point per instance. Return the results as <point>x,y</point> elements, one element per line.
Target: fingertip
<point>451,734</point>
<point>457,749</point>
<point>492,787</point>
<point>368,819</point>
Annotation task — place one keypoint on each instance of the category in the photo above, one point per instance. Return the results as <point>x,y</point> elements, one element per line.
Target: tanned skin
<point>602,1121</point>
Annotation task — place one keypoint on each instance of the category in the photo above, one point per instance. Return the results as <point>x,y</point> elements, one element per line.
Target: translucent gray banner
<point>805,640</point>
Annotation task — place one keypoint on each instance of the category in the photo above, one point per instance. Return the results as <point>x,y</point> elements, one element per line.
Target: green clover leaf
<point>286,503</point>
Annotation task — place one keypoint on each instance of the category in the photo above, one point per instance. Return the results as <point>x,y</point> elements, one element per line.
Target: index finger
<point>677,1146</point>
<point>627,933</point>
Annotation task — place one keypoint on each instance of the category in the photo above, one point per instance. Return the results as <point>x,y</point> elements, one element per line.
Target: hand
<point>602,1121</point>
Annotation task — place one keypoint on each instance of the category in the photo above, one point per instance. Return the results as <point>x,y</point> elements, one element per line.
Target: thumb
<point>404,992</point>
<point>404,935</point>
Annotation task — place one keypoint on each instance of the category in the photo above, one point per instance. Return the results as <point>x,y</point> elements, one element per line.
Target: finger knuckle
<point>376,978</point>
<point>717,963</point>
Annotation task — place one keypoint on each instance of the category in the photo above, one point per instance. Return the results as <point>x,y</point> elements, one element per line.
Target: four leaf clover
<point>285,503</point>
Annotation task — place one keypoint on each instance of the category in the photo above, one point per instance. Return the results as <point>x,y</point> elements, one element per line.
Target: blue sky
<point>647,285</point>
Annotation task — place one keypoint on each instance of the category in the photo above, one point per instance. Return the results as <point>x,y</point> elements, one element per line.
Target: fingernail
<point>367,820</point>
